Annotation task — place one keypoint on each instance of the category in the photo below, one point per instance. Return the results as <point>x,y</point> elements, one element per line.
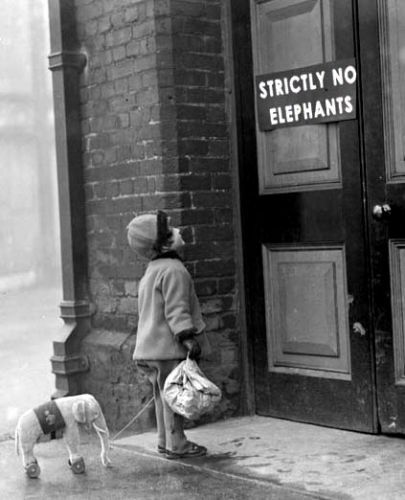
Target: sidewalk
<point>133,476</point>
<point>301,458</point>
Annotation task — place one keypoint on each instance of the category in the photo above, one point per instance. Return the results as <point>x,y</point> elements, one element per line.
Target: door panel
<point>306,311</point>
<point>288,35</point>
<point>392,18</point>
<point>305,244</point>
<point>397,271</point>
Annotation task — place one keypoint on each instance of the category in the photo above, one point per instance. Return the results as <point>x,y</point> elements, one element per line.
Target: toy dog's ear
<point>79,411</point>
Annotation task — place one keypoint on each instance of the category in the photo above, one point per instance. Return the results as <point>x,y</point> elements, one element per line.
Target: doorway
<point>322,218</point>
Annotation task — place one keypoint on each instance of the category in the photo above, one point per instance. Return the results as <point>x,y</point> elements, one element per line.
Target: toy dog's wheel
<point>78,466</point>
<point>33,470</point>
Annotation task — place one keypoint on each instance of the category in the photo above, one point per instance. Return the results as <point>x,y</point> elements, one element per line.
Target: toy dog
<point>63,414</point>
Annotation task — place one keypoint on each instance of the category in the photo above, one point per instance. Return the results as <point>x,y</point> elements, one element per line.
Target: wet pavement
<point>132,476</point>
<point>328,463</point>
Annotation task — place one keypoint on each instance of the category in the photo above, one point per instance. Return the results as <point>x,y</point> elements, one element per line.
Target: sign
<point>304,96</point>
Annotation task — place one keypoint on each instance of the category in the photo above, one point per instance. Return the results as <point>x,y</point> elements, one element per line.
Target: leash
<point>132,420</point>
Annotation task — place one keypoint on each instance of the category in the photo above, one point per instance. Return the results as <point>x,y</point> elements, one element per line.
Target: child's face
<point>176,241</point>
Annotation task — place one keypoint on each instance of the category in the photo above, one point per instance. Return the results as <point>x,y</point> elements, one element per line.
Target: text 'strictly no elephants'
<point>315,94</point>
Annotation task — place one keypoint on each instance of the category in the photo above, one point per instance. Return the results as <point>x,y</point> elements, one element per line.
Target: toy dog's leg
<point>72,438</point>
<point>31,466</point>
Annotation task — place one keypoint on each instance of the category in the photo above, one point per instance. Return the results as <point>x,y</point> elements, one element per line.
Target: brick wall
<point>156,135</point>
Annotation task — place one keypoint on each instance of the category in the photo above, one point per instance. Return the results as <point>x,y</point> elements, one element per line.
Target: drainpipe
<point>66,63</point>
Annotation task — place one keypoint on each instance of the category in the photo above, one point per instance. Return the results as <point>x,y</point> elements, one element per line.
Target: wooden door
<point>385,159</point>
<point>305,239</point>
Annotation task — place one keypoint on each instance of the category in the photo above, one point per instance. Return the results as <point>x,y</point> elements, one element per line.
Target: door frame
<point>371,144</point>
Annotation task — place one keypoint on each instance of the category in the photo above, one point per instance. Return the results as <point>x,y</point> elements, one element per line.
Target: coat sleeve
<point>176,285</point>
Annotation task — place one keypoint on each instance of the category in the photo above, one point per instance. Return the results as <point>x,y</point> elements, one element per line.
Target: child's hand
<point>193,348</point>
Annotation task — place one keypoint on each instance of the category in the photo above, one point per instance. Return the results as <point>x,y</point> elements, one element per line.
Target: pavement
<point>249,457</point>
<point>303,459</point>
<point>132,476</point>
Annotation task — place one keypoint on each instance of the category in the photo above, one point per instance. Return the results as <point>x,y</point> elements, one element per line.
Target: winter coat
<point>168,305</point>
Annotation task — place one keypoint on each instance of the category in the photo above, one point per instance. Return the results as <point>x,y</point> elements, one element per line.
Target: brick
<point>91,28</point>
<point>219,147</point>
<point>205,288</point>
<point>207,250</point>
<point>215,80</point>
<point>214,233</point>
<point>120,70</point>
<point>124,152</point>
<point>163,41</point>
<point>131,288</point>
<point>195,182</point>
<point>166,201</point>
<point>128,305</point>
<point>198,26</point>
<point>208,164</point>
<point>88,191</point>
<point>168,183</point>
<point>229,321</point>
<point>97,158</point>
<point>198,129</point>
<point>197,216</point>
<point>213,44</point>
<point>150,78</point>
<point>131,14</point>
<point>191,112</point>
<point>213,323</point>
<point>133,48</point>
<point>118,37</point>
<point>222,181</point>
<point>104,24</point>
<point>99,190</point>
<point>161,8</point>
<point>146,62</point>
<point>87,12</point>
<point>215,113</point>
<point>151,166</point>
<point>217,268</point>
<point>224,215</point>
<point>122,120</point>
<point>147,45</point>
<point>193,77</point>
<point>193,147</point>
<point>194,9</point>
<point>141,30</point>
<point>118,53</point>
<point>121,85</point>
<point>107,90</point>
<point>112,189</point>
<point>211,306</point>
<point>118,19</point>
<point>110,155</point>
<point>122,103</point>
<point>126,187</point>
<point>211,199</point>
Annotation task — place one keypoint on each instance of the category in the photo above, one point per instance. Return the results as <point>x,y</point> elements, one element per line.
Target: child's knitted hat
<point>147,233</point>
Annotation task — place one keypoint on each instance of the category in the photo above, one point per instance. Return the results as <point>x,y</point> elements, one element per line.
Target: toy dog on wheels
<point>64,414</point>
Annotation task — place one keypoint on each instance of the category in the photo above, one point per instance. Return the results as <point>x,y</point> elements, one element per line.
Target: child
<point>169,320</point>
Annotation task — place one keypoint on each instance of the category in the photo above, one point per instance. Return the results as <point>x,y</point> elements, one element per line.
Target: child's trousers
<point>169,424</point>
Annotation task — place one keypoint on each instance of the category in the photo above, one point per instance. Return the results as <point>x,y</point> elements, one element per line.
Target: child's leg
<point>152,373</point>
<point>173,423</point>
